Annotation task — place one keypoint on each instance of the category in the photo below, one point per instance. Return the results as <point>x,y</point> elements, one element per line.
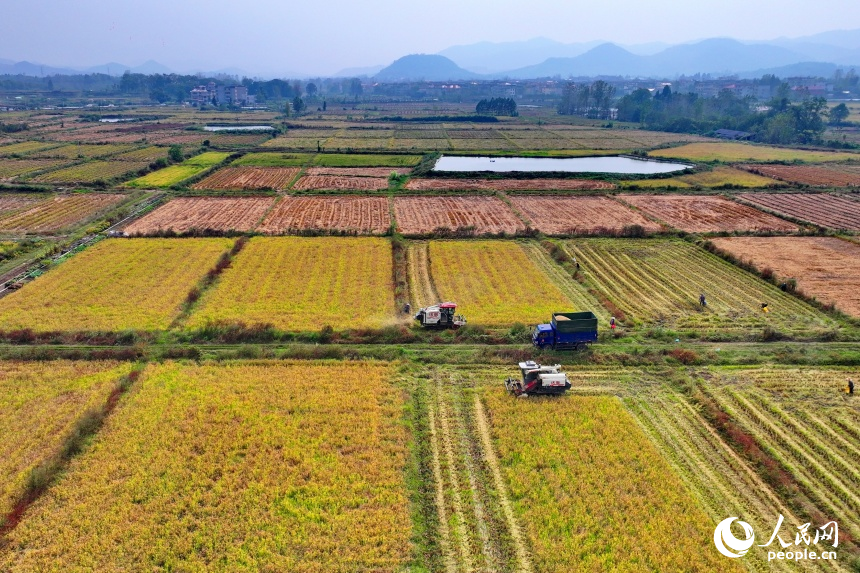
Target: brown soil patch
<point>825,267</point>
<point>344,213</point>
<point>808,175</point>
<point>832,211</point>
<point>216,213</point>
<point>433,184</point>
<point>556,215</point>
<point>249,178</point>
<point>314,182</point>
<point>357,171</point>
<point>418,215</point>
<point>706,213</point>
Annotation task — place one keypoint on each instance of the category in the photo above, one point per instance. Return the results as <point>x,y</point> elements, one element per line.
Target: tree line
<point>497,106</point>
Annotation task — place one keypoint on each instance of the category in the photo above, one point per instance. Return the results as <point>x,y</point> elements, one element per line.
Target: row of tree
<point>497,106</point>
<point>593,101</point>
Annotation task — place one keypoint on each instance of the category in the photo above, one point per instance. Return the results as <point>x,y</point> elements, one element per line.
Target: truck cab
<point>543,335</point>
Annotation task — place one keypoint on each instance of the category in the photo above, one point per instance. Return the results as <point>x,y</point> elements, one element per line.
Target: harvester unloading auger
<point>440,316</point>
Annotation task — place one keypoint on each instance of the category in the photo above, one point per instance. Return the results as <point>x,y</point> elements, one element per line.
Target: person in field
<point>850,387</point>
<point>764,308</point>
<point>702,302</point>
<point>612,323</point>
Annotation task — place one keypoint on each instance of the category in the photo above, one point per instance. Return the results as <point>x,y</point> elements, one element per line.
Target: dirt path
<point>421,289</point>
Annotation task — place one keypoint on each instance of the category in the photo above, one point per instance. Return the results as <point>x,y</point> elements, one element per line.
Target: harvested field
<point>487,215</point>
<point>439,184</point>
<point>723,176</point>
<point>81,151</point>
<point>357,171</point>
<point>115,285</point>
<point>319,182</point>
<point>706,213</point>
<point>831,211</point>
<point>92,171</point>
<point>369,160</point>
<point>808,175</point>
<point>273,159</point>
<point>11,168</point>
<point>276,178</point>
<point>556,215</point>
<point>237,139</point>
<point>345,213</point>
<point>736,152</point>
<point>59,212</point>
<point>827,268</point>
<point>14,203</point>
<point>215,213</point>
<point>149,154</point>
<point>303,284</point>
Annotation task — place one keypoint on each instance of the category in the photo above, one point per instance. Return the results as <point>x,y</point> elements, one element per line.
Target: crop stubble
<point>217,213</point>
<point>344,213</point>
<point>417,215</point>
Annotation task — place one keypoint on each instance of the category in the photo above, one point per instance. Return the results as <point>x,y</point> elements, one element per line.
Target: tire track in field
<point>523,559</point>
<point>444,531</point>
<point>421,287</point>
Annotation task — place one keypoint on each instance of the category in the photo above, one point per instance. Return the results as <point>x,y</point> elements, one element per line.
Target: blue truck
<point>567,331</point>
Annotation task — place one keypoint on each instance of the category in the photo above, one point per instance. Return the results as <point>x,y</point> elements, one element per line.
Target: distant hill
<point>493,57</point>
<point>368,71</point>
<point>424,67</point>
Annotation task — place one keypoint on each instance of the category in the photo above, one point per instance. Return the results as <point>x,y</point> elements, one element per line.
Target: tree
<point>497,106</point>
<point>839,114</point>
<point>311,89</point>
<point>298,105</point>
<point>297,88</point>
<point>355,87</point>
<point>324,105</point>
<point>175,153</point>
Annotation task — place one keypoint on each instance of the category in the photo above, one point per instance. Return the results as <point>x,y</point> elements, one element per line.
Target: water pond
<point>611,164</point>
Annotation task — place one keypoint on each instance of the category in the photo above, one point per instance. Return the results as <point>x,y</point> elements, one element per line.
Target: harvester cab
<point>440,315</point>
<point>537,379</point>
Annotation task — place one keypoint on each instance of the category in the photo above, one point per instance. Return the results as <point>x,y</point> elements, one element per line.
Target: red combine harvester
<point>538,380</point>
<point>440,316</point>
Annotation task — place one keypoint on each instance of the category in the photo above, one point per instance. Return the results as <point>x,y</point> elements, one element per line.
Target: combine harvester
<point>440,316</point>
<point>538,380</point>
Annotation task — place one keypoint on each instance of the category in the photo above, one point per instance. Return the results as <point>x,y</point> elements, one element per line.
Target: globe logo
<point>728,544</point>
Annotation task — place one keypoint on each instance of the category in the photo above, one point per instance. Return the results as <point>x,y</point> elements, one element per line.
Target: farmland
<point>272,159</point>
<point>318,182</point>
<point>359,214</point>
<point>59,212</point>
<point>82,151</point>
<point>657,282</point>
<point>11,168</point>
<point>440,184</point>
<point>91,172</point>
<point>831,211</point>
<point>808,175</point>
<point>41,403</point>
<point>722,176</point>
<point>116,285</point>
<point>17,202</point>
<point>176,174</point>
<point>349,160</point>
<point>249,178</point>
<point>706,214</point>
<point>357,171</point>
<point>418,215</point>
<point>255,466</point>
<point>739,152</point>
<point>578,215</point>
<point>827,268</point>
<point>303,284</point>
<point>482,276</point>
<point>24,147</point>
<point>184,214</point>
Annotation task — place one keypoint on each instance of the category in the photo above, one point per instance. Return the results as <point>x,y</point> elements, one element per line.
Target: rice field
<point>176,174</point>
<point>740,152</point>
<point>58,212</point>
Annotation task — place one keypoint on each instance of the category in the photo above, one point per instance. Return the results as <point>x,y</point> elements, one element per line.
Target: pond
<point>237,128</point>
<point>612,164</point>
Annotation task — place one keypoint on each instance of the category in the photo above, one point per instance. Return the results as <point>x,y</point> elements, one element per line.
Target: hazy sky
<point>276,37</point>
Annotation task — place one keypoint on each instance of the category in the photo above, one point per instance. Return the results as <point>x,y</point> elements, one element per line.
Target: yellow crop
<point>593,492</point>
<point>300,284</point>
<point>733,152</point>
<point>266,466</point>
<point>496,283</point>
<point>115,285</point>
<point>179,173</point>
<point>39,404</point>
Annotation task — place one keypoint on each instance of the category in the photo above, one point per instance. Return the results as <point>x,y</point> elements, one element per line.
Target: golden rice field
<point>92,171</point>
<point>40,403</point>
<point>722,176</point>
<point>303,284</point>
<point>265,466</point>
<point>737,152</point>
<point>178,173</point>
<point>58,212</point>
<point>657,282</point>
<point>593,492</point>
<point>118,284</point>
<point>498,283</point>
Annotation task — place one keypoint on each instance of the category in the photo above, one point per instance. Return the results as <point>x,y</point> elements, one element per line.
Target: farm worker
<point>784,287</point>
<point>406,308</point>
<point>702,300</point>
<point>612,323</point>
<point>764,308</point>
<point>577,266</point>
<point>850,387</point>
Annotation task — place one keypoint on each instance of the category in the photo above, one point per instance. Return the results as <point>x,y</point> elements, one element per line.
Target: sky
<point>284,38</point>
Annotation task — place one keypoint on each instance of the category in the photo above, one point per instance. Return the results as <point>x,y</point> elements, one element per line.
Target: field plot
<point>59,212</point>
<point>487,215</point>
<point>579,215</point>
<point>262,466</point>
<point>706,213</point>
<point>214,213</point>
<point>118,284</point>
<point>12,168</point>
<point>179,173</point>
<point>276,178</point>
<point>25,147</point>
<point>354,160</point>
<point>303,284</point>
<point>16,202</point>
<point>319,182</point>
<point>808,175</point>
<point>148,154</point>
<point>802,418</point>
<point>831,211</point>
<point>82,151</point>
<point>602,482</point>
<point>237,139</point>
<point>439,184</point>
<point>273,159</point>
<point>357,172</point>
<point>658,282</point>
<point>40,403</point>
<point>91,172</point>
<point>481,277</point>
<point>722,176</point>
<point>737,152</point>
<point>366,215</point>
<point>827,268</point>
